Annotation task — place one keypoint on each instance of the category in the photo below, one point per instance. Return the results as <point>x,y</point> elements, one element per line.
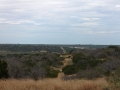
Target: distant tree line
<point>29,48</point>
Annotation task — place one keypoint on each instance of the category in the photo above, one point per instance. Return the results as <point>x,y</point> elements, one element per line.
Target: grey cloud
<point>65,15</point>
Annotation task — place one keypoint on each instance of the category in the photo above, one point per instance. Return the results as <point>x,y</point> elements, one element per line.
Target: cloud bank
<point>60,21</point>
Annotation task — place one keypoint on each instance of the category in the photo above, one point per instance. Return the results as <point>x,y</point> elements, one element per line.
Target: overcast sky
<point>60,21</point>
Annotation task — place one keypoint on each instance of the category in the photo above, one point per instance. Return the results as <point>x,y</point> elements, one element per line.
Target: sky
<point>60,22</point>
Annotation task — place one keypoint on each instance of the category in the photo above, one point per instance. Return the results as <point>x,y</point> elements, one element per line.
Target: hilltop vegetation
<point>29,48</point>
<point>33,65</point>
<point>45,47</point>
<point>75,64</point>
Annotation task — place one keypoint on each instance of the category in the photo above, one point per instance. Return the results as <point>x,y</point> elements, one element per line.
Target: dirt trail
<point>67,61</point>
<point>64,51</point>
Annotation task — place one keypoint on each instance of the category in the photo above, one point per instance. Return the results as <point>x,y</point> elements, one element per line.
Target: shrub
<point>52,73</point>
<point>94,63</point>
<point>3,69</point>
<point>89,74</point>
<point>78,57</point>
<point>117,72</point>
<point>69,69</point>
<point>114,80</point>
<point>114,47</point>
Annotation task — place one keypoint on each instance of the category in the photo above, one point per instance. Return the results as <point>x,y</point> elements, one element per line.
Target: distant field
<point>52,84</point>
<point>5,53</point>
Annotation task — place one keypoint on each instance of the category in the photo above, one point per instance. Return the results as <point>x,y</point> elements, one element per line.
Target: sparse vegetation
<point>80,64</point>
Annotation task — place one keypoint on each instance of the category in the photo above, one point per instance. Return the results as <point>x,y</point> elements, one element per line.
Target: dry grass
<point>52,84</point>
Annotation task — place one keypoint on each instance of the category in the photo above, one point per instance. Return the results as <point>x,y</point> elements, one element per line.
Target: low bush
<point>52,74</point>
<point>89,74</point>
<point>69,69</point>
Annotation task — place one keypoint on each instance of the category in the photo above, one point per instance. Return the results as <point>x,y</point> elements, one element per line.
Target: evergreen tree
<point>3,69</point>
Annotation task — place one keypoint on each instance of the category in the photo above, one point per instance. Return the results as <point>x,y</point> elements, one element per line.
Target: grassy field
<point>52,84</point>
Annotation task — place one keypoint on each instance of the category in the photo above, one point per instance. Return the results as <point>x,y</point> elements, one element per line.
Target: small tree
<point>52,73</point>
<point>78,57</point>
<point>3,69</point>
<point>69,70</point>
